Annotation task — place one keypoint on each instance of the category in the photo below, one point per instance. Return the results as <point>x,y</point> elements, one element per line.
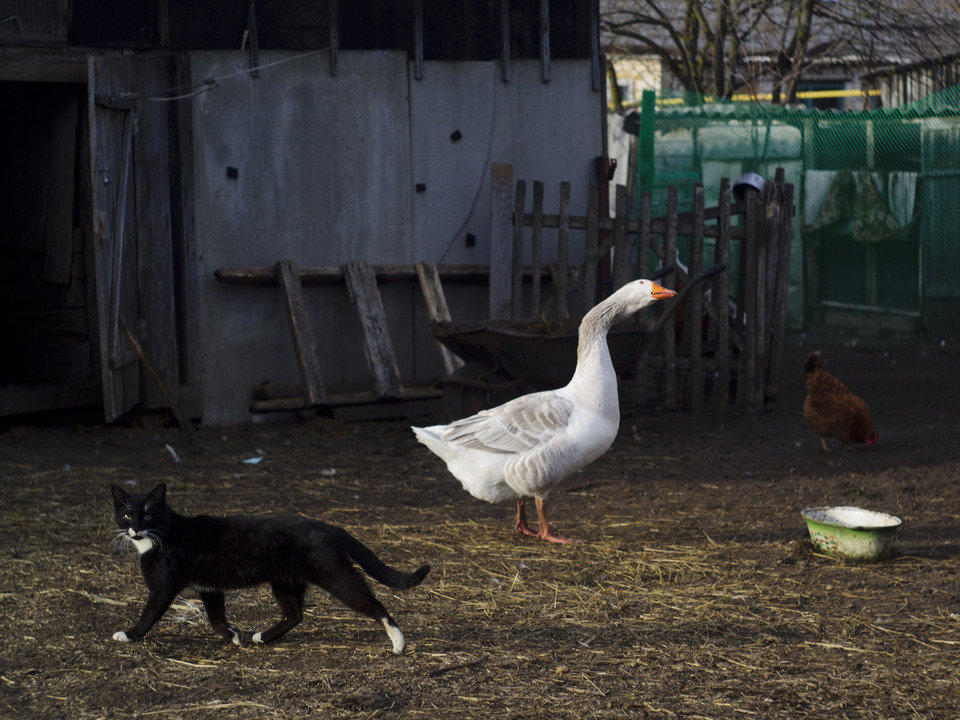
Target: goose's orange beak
<point>661,293</point>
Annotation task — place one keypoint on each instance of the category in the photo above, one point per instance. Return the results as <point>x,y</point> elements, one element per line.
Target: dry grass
<point>696,595</point>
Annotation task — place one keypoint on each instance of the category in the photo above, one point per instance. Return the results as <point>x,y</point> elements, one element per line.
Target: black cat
<point>213,554</point>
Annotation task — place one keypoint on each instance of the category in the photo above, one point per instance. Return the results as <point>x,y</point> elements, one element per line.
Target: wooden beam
<point>516,262</point>
<point>501,239</point>
<point>545,41</point>
<point>362,285</point>
<point>437,309</point>
<point>304,344</point>
<point>311,275</point>
<point>536,246</point>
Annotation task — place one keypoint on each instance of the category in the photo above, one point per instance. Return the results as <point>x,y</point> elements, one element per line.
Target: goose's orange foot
<point>551,536</point>
<point>522,526</point>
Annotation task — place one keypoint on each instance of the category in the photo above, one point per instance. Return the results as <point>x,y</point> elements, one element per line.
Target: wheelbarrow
<point>505,359</point>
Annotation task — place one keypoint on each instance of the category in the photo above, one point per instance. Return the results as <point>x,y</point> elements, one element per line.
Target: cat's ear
<point>159,493</point>
<point>120,496</point>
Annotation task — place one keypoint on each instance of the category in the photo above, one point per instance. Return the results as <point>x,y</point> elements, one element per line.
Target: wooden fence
<point>726,342</point>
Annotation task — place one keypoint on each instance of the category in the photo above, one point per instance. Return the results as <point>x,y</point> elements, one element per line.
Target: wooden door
<point>133,259</point>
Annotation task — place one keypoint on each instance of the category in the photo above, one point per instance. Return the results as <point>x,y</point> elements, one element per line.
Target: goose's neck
<point>595,381</point>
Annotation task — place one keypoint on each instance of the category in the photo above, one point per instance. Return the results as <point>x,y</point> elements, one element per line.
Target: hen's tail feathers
<point>375,568</point>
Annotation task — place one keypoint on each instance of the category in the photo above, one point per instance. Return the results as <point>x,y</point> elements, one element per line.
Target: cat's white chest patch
<point>142,544</point>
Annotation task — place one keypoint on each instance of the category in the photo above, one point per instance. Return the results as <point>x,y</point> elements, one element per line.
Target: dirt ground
<point>696,594</point>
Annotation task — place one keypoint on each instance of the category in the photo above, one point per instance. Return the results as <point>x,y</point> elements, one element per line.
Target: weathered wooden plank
<point>108,77</point>
<point>658,225</point>
<point>536,245</point>
<point>590,248</point>
<point>418,39</point>
<point>622,270</point>
<point>155,255</point>
<point>501,240</point>
<point>643,242</point>
<point>362,286</point>
<point>437,309</point>
<point>747,303</point>
<point>333,7</point>
<point>695,306</point>
<point>516,262</point>
<point>183,231</point>
<point>669,343</point>
<point>779,317</point>
<point>545,40</point>
<point>563,252</point>
<point>721,290</point>
<point>767,224</point>
<point>174,406</point>
<point>301,329</point>
<point>505,40</point>
<point>313,275</point>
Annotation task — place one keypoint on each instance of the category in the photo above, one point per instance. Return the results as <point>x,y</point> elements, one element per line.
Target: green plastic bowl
<point>851,533</point>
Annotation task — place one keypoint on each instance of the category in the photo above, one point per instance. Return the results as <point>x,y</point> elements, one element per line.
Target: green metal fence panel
<point>877,230</point>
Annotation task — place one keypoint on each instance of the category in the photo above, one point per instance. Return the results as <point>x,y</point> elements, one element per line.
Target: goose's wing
<point>522,424</point>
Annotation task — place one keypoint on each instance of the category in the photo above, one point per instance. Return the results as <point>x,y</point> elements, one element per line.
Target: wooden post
<point>501,240</point>
<point>505,39</point>
<point>536,252</point>
<point>767,224</point>
<point>643,242</point>
<point>563,252</point>
<point>590,248</point>
<point>747,300</point>
<point>437,309</point>
<point>695,305</point>
<point>333,7</point>
<point>545,40</point>
<point>621,269</point>
<point>516,263</point>
<point>418,39</point>
<point>304,344</point>
<point>669,341</point>
<point>721,289</point>
<point>779,318</point>
<point>362,286</point>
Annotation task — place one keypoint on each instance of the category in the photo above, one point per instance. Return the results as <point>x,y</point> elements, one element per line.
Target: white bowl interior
<point>852,517</point>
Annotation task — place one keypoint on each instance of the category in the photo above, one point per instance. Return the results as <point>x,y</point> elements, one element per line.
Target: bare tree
<point>718,47</point>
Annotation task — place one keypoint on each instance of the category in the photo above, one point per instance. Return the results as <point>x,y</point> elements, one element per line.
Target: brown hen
<point>833,411</point>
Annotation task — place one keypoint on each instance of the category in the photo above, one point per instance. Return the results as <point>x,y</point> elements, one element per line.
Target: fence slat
<point>779,319</point>
<point>721,289</point>
<point>563,252</point>
<point>695,306</point>
<point>766,234</point>
<point>593,238</point>
<point>536,253</point>
<point>516,268</point>
<point>501,240</point>
<point>621,257</point>
<point>747,302</point>
<point>669,342</point>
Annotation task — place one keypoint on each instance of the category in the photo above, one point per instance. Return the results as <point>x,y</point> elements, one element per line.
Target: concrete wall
<point>327,169</point>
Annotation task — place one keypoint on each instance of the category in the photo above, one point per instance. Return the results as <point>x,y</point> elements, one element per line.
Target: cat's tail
<point>375,568</point>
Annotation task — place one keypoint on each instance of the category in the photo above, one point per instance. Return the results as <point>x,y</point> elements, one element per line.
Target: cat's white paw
<point>121,636</point>
<point>258,638</point>
<point>399,642</point>
<point>237,640</point>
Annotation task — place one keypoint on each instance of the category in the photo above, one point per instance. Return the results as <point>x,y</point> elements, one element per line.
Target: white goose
<point>524,447</point>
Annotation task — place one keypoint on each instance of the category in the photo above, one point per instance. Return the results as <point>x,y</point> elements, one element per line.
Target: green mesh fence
<point>877,231</point>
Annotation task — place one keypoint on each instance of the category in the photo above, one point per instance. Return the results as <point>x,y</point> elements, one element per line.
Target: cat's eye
<point>126,518</point>
<point>148,517</point>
